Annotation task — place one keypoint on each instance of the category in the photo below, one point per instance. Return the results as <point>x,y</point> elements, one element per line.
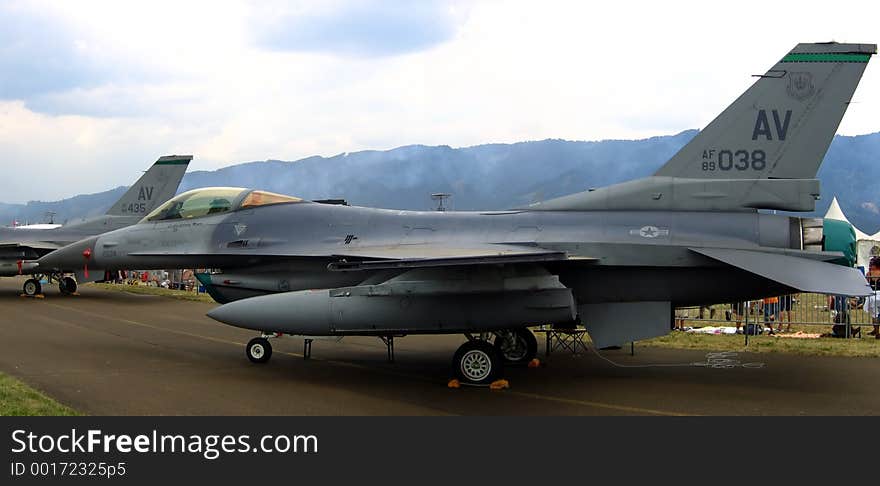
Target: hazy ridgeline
<point>494,176</point>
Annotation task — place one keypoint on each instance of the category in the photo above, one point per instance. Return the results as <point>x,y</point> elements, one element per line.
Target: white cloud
<point>871,207</point>
<point>192,77</point>
<point>355,28</point>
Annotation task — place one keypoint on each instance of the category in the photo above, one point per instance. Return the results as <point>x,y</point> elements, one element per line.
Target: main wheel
<point>258,350</point>
<point>68,284</point>
<point>477,362</point>
<point>516,346</point>
<point>32,287</point>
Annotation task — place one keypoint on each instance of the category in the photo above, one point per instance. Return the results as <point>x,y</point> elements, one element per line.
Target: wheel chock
<point>453,383</point>
<point>535,363</point>
<point>499,385</point>
<point>38,296</point>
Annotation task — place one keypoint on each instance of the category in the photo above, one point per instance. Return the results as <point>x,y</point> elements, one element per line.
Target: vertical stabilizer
<point>781,127</point>
<point>157,185</point>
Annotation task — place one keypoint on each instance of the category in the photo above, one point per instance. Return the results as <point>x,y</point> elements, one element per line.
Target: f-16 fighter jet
<point>618,259</point>
<point>18,244</point>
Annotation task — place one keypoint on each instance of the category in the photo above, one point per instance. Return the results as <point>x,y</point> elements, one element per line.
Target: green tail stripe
<point>172,162</point>
<point>826,57</point>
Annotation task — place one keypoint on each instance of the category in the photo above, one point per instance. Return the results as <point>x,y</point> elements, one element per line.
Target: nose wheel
<point>32,287</point>
<point>258,350</point>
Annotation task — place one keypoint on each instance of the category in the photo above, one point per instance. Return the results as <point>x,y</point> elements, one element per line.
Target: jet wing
<point>36,245</point>
<point>382,257</point>
<point>799,273</point>
<point>433,255</point>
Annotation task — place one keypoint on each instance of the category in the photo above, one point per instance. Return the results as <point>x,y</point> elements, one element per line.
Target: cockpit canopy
<point>199,203</point>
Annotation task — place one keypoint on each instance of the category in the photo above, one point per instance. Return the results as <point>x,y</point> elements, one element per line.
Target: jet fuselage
<point>627,255</point>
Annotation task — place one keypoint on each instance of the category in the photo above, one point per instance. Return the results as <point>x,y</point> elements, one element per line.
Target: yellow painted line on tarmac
<point>585,403</point>
<point>150,326</point>
<point>534,396</point>
<point>236,343</point>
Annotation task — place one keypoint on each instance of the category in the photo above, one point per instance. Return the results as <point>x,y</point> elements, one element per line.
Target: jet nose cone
<point>71,257</point>
<point>304,312</point>
<point>239,313</point>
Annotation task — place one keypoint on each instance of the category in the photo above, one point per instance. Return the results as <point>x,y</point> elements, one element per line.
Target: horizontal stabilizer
<point>799,273</point>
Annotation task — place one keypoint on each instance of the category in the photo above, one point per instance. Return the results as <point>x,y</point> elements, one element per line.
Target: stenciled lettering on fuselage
<point>772,126</point>
<point>145,193</point>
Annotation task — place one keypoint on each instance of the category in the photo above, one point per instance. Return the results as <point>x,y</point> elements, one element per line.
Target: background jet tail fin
<point>782,125</point>
<point>157,185</point>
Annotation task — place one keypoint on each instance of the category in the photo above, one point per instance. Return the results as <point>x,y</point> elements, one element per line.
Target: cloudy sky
<point>92,91</point>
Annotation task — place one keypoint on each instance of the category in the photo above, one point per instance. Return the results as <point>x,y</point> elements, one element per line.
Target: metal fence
<point>802,309</point>
<point>805,309</point>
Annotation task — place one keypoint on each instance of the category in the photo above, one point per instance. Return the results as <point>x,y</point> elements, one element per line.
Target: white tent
<point>866,246</point>
<point>834,212</point>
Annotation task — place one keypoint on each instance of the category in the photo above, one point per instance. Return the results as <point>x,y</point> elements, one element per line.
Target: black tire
<point>477,362</point>
<point>258,350</point>
<point>32,287</point>
<point>516,346</point>
<point>68,284</point>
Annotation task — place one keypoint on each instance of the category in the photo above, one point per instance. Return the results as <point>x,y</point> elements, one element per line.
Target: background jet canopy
<point>214,200</point>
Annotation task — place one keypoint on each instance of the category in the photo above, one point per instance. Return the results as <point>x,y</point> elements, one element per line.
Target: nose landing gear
<point>32,287</point>
<point>258,350</point>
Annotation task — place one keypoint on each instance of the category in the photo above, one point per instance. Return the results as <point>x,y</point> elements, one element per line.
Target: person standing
<point>873,278</point>
<point>737,314</point>
<point>680,315</point>
<point>872,307</point>
<point>840,316</point>
<point>785,305</point>
<point>771,308</point>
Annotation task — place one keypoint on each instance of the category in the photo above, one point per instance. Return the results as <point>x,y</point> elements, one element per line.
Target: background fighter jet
<point>619,258</point>
<point>153,188</point>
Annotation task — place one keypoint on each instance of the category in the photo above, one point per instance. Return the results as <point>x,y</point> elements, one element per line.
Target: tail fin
<point>156,186</point>
<point>781,127</point>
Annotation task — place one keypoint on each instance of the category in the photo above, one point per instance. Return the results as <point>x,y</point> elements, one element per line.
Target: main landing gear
<point>33,288</point>
<point>517,346</point>
<point>479,362</point>
<point>67,285</point>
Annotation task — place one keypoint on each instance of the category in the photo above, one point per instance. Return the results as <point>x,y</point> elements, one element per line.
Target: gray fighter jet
<point>619,258</point>
<point>18,245</point>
